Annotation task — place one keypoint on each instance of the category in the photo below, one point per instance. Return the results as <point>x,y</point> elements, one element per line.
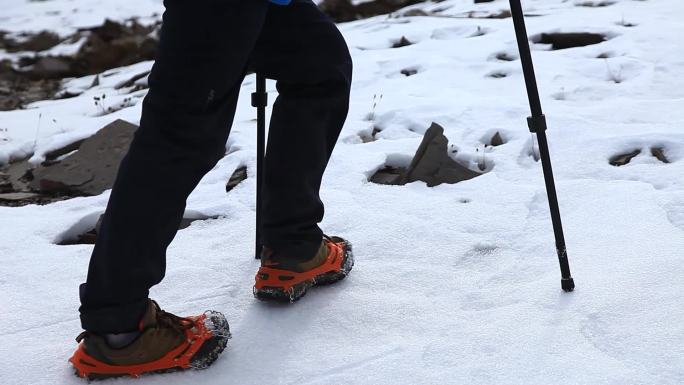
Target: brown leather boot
<point>166,342</point>
<point>283,280</point>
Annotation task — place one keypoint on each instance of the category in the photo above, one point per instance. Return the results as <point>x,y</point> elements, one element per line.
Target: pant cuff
<point>120,318</point>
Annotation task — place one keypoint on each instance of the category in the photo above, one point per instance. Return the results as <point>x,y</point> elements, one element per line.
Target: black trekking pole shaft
<point>260,100</point>
<point>537,124</point>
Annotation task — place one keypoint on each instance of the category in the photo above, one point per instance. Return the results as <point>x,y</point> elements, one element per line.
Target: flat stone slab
<point>18,196</point>
<point>92,169</point>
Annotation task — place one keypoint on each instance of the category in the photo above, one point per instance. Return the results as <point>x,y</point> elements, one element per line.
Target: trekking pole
<point>260,101</point>
<point>537,125</point>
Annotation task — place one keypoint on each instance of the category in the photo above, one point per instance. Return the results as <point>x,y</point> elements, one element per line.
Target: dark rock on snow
<point>37,76</point>
<point>16,90</point>
<point>623,159</point>
<point>431,164</point>
<point>18,196</point>
<point>238,176</point>
<point>90,170</point>
<point>496,140</point>
<point>29,42</point>
<point>569,40</point>
<point>659,153</point>
<point>389,175</point>
<point>344,10</point>
<point>403,42</point>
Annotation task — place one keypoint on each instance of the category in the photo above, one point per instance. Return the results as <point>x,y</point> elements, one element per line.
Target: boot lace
<point>172,321</point>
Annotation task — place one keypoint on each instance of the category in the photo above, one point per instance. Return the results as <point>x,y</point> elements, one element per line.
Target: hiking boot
<point>281,280</point>
<point>165,342</point>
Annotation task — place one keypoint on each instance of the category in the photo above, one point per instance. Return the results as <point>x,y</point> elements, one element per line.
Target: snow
<point>455,284</point>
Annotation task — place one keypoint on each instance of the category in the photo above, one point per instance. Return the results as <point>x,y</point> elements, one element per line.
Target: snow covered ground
<point>456,284</point>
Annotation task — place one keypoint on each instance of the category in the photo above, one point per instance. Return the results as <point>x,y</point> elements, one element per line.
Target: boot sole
<point>299,290</point>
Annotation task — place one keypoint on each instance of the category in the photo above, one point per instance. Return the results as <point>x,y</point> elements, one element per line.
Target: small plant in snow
<point>625,23</point>
<point>369,135</point>
<point>481,161</point>
<point>100,103</point>
<point>125,103</point>
<point>104,110</point>
<point>376,100</point>
<point>35,140</point>
<point>480,32</point>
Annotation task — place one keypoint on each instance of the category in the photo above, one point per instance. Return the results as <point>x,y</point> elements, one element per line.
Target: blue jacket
<point>280,2</point>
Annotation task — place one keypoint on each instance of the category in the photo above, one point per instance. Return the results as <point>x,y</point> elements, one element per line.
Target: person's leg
<point>204,49</point>
<point>303,50</point>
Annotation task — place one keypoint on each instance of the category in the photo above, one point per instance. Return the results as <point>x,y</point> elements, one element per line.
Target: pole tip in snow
<point>568,284</point>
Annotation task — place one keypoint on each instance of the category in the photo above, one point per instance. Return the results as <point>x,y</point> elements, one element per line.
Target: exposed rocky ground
<point>82,168</point>
<point>37,70</point>
<point>86,167</point>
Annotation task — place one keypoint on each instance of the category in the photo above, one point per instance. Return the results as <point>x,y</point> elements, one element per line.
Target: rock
<point>90,170</point>
<point>108,46</point>
<point>432,163</point>
<point>569,40</point>
<point>17,89</point>
<point>623,159</point>
<point>595,3</point>
<point>415,12</point>
<point>496,140</point>
<point>505,56</point>
<point>18,196</point>
<point>109,30</point>
<point>344,10</point>
<point>134,80</point>
<point>403,42</point>
<point>51,156</point>
<point>18,174</point>
<point>5,184</point>
<point>498,75</point>
<point>114,45</point>
<point>659,153</point>
<point>409,71</point>
<point>238,176</point>
<point>32,42</point>
<point>50,68</point>
<point>389,175</point>
<point>503,14</point>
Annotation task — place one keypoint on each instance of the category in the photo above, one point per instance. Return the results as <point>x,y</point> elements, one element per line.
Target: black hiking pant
<point>205,49</point>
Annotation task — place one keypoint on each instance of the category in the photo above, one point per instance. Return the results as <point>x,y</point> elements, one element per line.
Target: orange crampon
<point>203,341</point>
<point>288,285</point>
